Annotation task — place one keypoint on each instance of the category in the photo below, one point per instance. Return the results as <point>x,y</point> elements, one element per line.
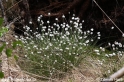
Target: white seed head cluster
<point>61,44</point>
<point>51,41</point>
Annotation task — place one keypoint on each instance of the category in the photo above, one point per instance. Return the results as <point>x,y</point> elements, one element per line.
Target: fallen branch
<point>114,77</point>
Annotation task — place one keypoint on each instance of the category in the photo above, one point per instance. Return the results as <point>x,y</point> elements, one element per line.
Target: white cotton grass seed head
<point>123,35</point>
<point>113,45</point>
<point>85,36</point>
<point>82,21</point>
<point>26,56</point>
<point>71,21</point>
<point>113,48</point>
<point>41,16</point>
<point>16,36</point>
<point>92,40</point>
<point>120,44</point>
<point>41,22</point>
<point>49,14</point>
<point>73,14</point>
<point>80,24</point>
<point>112,27</point>
<point>96,51</point>
<point>88,31</point>
<point>84,44</point>
<point>116,43</point>
<point>80,37</point>
<point>92,29</point>
<point>113,54</point>
<point>109,44</point>
<point>7,42</point>
<point>48,22</point>
<point>56,19</point>
<point>30,22</point>
<point>63,16</point>
<point>91,33</point>
<point>98,38</point>
<point>76,18</point>
<point>67,33</point>
<point>106,55</point>
<point>78,21</point>
<point>72,18</point>
<point>101,48</point>
<point>85,33</point>
<point>38,19</point>
<point>87,41</point>
<point>98,33</point>
<point>66,29</point>
<point>110,55</point>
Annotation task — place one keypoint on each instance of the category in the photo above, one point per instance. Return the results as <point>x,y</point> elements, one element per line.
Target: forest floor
<point>9,66</point>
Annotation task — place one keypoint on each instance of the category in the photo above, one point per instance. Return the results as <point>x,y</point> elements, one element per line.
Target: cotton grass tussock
<point>56,49</point>
<point>53,50</point>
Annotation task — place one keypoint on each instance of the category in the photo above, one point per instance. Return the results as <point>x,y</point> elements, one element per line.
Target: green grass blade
<point>1,74</point>
<point>15,43</point>
<point>8,52</point>
<point>1,21</point>
<point>15,57</point>
<point>2,47</point>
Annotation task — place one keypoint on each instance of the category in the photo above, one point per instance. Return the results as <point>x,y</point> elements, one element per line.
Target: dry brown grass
<point>9,65</point>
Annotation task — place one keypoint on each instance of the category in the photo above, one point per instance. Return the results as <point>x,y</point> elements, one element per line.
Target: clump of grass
<point>53,50</point>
